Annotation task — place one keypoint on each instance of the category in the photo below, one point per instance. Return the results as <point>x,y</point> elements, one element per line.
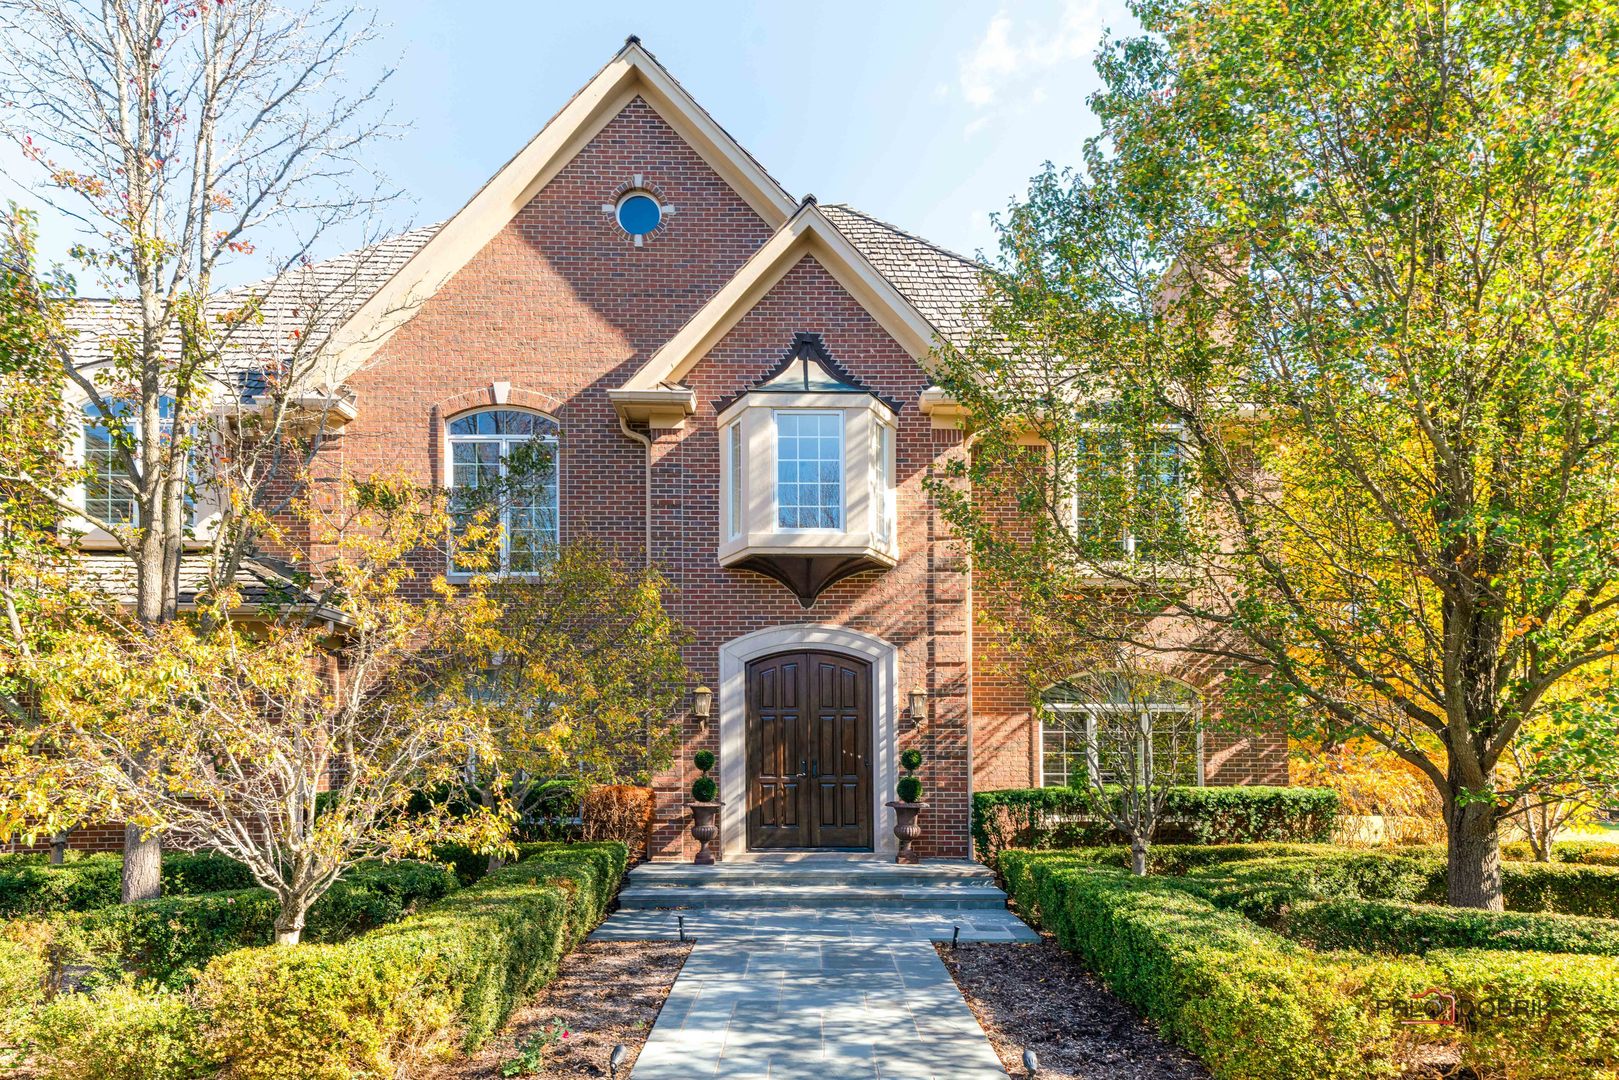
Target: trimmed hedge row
<point>1260,887</point>
<point>378,1005</point>
<point>1061,817</point>
<point>1396,927</point>
<point>1566,888</point>
<point>1588,852</point>
<point>1255,1006</point>
<point>38,888</point>
<point>168,939</point>
<point>1250,1004</point>
<point>385,999</point>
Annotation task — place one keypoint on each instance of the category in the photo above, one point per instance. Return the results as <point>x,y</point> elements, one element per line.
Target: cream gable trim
<point>809,233</point>
<point>633,73</point>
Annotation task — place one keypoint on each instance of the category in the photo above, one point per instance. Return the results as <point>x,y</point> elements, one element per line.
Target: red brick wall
<point>562,305</point>
<point>921,606</point>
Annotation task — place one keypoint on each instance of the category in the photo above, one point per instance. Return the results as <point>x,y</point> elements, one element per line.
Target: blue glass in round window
<point>639,214</point>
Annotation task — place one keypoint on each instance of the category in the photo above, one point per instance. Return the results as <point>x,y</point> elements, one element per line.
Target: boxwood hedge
<point>38,888</point>
<point>167,940</point>
<point>1061,817</point>
<point>1255,1006</point>
<point>1396,927</point>
<point>380,1004</point>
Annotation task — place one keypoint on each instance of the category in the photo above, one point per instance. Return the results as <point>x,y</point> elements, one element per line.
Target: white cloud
<point>1011,55</point>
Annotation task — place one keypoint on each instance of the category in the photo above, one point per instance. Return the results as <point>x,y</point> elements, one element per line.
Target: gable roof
<point>939,283</point>
<point>309,300</point>
<point>807,233</point>
<point>632,73</point>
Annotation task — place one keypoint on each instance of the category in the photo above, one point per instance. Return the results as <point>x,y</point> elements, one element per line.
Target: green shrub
<point>118,1032</point>
<point>1252,1005</point>
<point>1392,926</point>
<point>1535,1016</point>
<point>1062,818</point>
<point>1261,888</point>
<point>38,888</point>
<point>703,789</point>
<point>911,759</point>
<point>909,789</point>
<point>1566,888</point>
<point>1588,852</point>
<point>168,939</point>
<point>703,759</point>
<point>381,1003</point>
<point>24,969</point>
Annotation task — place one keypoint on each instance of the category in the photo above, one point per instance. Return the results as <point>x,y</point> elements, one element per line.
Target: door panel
<point>809,751</point>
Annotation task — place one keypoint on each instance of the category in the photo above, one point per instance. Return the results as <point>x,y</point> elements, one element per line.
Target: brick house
<point>737,385</point>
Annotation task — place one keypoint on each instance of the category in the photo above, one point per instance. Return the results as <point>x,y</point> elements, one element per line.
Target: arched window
<point>1108,724</point>
<point>503,462</point>
<point>109,488</point>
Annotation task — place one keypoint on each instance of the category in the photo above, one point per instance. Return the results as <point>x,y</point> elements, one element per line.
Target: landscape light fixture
<point>616,1058</point>
<point>1031,1061</point>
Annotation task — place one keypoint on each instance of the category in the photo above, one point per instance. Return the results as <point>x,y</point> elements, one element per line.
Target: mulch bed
<point>1037,997</point>
<point>607,992</point>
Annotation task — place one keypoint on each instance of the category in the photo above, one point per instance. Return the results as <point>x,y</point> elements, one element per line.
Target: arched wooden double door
<point>809,751</point>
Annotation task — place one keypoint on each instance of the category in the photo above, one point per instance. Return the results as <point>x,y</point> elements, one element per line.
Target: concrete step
<point>963,895</point>
<point>808,873</point>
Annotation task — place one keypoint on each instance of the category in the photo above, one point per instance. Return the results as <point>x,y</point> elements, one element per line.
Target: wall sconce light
<point>702,701</point>
<point>919,707</point>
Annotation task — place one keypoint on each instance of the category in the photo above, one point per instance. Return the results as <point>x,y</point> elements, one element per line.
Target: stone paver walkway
<point>817,1006</point>
<point>820,923</point>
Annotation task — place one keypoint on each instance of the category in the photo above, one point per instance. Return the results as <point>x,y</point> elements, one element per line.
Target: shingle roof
<point>258,581</point>
<point>940,284</point>
<point>307,300</point>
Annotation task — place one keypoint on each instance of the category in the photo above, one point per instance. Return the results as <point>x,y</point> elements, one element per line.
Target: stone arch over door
<point>735,655</point>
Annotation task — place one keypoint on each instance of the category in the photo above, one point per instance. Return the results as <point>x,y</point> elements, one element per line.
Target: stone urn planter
<point>705,826</point>
<point>906,830</point>
<point>705,808</point>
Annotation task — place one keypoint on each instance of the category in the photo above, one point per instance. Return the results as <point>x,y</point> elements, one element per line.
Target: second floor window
<point>109,488</point>
<point>809,470</point>
<point>1129,493</point>
<point>503,463</point>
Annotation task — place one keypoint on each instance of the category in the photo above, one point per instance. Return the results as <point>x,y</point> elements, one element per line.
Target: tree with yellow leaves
<point>292,741</point>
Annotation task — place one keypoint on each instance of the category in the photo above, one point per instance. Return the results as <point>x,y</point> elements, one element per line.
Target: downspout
<point>646,472</point>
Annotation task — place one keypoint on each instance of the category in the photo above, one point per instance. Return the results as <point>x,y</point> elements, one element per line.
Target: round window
<point>639,213</point>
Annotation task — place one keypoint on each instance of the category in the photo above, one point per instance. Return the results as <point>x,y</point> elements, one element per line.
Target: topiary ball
<point>911,759</point>
<point>703,789</point>
<point>703,759</point>
<point>910,789</point>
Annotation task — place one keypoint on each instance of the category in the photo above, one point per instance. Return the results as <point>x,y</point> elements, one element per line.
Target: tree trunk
<point>59,847</point>
<point>143,866</point>
<point>289,925</point>
<point>1473,857</point>
<point>1138,856</point>
<point>495,863</point>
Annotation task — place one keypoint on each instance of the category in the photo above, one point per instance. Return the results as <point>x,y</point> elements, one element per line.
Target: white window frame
<point>735,468</point>
<point>453,440</point>
<point>1092,711</point>
<point>882,482</point>
<point>1129,471</point>
<point>843,467</point>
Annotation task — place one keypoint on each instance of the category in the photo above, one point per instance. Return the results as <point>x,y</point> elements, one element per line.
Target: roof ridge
<point>924,241</point>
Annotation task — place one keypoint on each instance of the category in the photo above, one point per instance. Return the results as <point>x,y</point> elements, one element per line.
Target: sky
<point>929,115</point>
